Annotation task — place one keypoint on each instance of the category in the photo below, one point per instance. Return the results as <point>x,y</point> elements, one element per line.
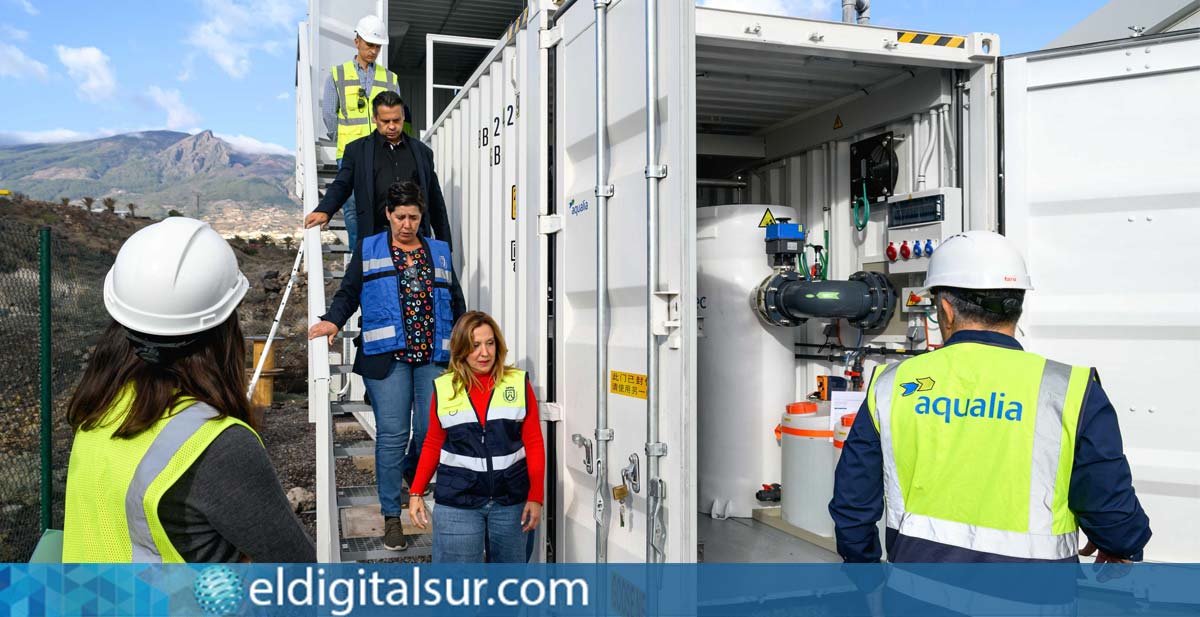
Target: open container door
<point>625,337</point>
<point>1102,196</point>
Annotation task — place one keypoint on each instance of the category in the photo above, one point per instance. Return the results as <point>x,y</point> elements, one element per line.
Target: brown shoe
<point>393,534</point>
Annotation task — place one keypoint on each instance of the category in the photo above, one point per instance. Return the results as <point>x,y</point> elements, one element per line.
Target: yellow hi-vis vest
<point>354,120</point>
<point>114,485</point>
<point>978,444</point>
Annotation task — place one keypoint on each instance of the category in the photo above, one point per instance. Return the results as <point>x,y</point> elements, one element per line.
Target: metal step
<point>337,224</point>
<point>344,408</point>
<point>335,274</point>
<point>348,496</point>
<point>337,249</point>
<point>341,369</point>
<point>371,549</point>
<point>353,448</point>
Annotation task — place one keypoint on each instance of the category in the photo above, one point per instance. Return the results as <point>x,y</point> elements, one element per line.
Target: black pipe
<point>867,300</point>
<point>819,299</point>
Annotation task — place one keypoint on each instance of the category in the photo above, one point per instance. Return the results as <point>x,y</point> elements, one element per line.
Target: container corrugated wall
<point>489,147</point>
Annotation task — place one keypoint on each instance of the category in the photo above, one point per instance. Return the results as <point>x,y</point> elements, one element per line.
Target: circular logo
<point>218,590</point>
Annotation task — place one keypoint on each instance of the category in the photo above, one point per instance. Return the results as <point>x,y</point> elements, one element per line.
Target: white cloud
<point>250,145</point>
<point>90,66</point>
<point>14,63</point>
<point>283,96</point>
<point>13,34</point>
<point>28,6</point>
<point>235,29</point>
<point>816,9</point>
<point>179,115</point>
<point>51,136</point>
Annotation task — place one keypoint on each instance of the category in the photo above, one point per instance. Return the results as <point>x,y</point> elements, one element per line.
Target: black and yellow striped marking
<point>938,40</point>
<point>520,22</point>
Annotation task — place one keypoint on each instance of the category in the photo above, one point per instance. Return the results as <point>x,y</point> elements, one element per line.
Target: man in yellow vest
<point>980,451</point>
<point>349,89</point>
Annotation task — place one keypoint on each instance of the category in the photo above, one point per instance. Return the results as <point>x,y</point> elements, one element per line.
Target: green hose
<point>860,223</point>
<point>804,265</point>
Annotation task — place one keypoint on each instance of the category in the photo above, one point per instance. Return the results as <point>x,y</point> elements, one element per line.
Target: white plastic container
<point>745,368</point>
<point>807,468</point>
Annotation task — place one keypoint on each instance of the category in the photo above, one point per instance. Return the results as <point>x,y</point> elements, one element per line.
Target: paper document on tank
<point>843,403</point>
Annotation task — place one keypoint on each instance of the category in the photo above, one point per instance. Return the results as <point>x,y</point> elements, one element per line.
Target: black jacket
<point>346,301</point>
<point>357,177</point>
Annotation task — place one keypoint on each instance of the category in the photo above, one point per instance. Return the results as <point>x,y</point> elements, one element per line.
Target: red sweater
<point>531,434</point>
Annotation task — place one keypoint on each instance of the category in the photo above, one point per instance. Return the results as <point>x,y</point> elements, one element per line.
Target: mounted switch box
<point>912,301</point>
<point>921,221</point>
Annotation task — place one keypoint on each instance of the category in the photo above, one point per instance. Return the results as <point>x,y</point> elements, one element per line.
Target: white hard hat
<point>173,278</point>
<point>372,30</point>
<point>977,260</point>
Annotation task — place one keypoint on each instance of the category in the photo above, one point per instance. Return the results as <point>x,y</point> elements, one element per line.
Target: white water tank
<point>745,368</point>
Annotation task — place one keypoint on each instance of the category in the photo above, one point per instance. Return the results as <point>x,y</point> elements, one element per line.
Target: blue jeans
<point>392,400</point>
<point>350,215</point>
<point>420,418</point>
<point>459,534</point>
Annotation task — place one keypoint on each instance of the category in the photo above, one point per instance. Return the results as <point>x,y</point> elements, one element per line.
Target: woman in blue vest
<point>410,298</point>
<point>485,443</point>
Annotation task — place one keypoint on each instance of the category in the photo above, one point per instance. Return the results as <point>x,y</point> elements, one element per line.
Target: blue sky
<point>93,68</point>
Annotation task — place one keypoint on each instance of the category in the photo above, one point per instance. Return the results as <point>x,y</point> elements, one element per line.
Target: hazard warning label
<point>837,122</point>
<point>627,384</point>
<point>767,219</point>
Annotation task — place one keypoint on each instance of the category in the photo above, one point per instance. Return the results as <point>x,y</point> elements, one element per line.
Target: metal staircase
<point>335,394</point>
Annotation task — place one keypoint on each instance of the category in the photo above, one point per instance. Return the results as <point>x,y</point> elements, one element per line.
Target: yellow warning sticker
<point>627,384</point>
<point>514,202</point>
<point>837,122</point>
<point>767,219</point>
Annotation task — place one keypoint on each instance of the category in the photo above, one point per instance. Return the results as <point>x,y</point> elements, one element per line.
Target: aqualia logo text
<point>993,407</point>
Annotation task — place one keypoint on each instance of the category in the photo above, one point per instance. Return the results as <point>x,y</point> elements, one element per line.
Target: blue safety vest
<point>382,298</point>
<point>481,462</point>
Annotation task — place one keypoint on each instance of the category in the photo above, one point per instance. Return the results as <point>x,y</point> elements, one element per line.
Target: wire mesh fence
<point>78,317</point>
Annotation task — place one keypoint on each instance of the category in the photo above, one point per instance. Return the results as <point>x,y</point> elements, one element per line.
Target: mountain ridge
<point>159,171</point>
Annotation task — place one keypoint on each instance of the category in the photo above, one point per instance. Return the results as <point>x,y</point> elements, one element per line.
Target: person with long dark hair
<point>485,443</point>
<point>166,464</point>
<point>410,298</point>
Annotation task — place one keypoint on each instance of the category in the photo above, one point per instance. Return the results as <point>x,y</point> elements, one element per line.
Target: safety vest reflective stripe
<point>442,274</point>
<point>499,463</point>
<point>506,413</point>
<point>455,417</point>
<point>891,479</point>
<point>1047,447</point>
<point>379,334</point>
<point>178,430</point>
<point>371,265</point>
<point>1040,542</point>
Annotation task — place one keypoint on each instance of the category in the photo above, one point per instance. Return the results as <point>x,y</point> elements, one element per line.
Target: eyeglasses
<point>362,99</point>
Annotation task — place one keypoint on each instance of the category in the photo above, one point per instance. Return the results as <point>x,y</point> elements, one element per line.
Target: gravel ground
<point>291,443</point>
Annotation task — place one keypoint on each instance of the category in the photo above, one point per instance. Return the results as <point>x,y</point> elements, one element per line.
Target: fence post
<point>46,426</point>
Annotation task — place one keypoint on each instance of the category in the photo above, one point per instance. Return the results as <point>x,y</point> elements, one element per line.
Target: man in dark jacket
<point>372,164</point>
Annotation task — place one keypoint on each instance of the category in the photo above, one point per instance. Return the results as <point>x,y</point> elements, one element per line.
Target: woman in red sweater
<point>485,443</point>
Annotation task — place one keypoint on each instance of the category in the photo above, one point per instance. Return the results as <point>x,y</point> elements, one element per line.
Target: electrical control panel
<point>917,225</point>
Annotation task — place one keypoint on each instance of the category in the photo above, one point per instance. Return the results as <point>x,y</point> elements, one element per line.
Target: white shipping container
<point>1097,188</point>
